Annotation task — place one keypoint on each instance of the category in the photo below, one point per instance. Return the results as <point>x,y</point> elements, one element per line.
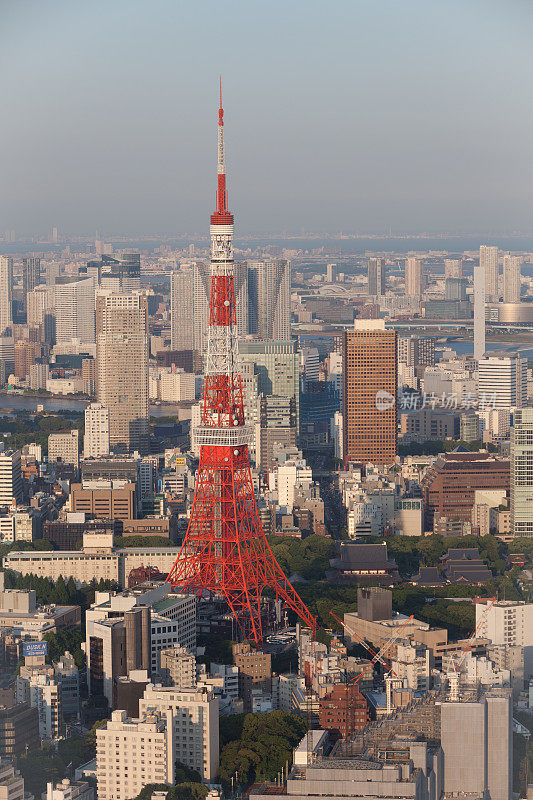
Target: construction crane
<point>386,646</point>
<point>470,642</point>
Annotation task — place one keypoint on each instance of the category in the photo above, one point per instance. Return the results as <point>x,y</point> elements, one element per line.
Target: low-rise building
<point>19,524</point>
<point>84,566</point>
<point>11,782</point>
<point>343,711</point>
<point>68,790</point>
<point>413,662</point>
<point>20,613</point>
<point>108,502</point>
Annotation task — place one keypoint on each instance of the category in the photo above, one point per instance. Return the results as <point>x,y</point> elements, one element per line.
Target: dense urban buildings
<point>184,429</point>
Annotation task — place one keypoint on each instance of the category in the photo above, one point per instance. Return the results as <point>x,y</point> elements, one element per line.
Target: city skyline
<point>125,130</point>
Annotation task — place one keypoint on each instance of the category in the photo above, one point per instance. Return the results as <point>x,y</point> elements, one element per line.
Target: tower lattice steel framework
<point>225,551</point>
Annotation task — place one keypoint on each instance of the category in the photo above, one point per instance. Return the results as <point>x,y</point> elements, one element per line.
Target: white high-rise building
<point>331,273</point>
<point>479,311</point>
<point>45,696</point>
<point>40,302</point>
<point>131,753</point>
<point>190,290</point>
<point>122,369</point>
<point>74,309</point>
<point>522,473</point>
<point>195,724</point>
<point>269,299</point>
<point>502,381</point>
<point>414,277</point>
<point>488,260</point>
<point>511,278</point>
<point>309,364</point>
<point>10,477</point>
<point>6,293</point>
<point>508,622</point>
<point>96,439</point>
<point>286,477</point>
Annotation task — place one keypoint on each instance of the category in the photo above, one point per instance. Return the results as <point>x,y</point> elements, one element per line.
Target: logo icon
<point>384,400</point>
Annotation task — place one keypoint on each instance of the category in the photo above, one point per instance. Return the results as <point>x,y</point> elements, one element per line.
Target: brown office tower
<point>369,396</point>
<point>138,638</point>
<point>343,711</point>
<point>122,369</point>
<point>449,486</point>
<point>255,671</point>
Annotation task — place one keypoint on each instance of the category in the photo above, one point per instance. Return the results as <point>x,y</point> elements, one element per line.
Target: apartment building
<point>64,447</point>
<point>509,623</point>
<point>195,724</point>
<point>131,753</point>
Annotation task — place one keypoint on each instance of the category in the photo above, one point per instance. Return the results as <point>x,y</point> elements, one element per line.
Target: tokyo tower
<point>225,551</point>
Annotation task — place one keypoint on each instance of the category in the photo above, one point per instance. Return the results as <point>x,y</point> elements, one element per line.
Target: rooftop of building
<point>117,551</point>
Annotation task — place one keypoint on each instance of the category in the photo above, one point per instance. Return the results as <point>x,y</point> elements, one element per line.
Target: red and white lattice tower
<point>225,551</point>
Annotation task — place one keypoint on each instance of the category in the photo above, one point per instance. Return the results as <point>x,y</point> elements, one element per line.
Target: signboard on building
<point>34,649</point>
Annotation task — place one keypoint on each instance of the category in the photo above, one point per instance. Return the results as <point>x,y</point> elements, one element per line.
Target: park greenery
<point>182,791</point>
<point>44,764</point>
<point>215,649</point>
<point>434,447</point>
<point>308,558</point>
<point>187,786</point>
<point>27,427</point>
<point>59,592</point>
<point>256,747</point>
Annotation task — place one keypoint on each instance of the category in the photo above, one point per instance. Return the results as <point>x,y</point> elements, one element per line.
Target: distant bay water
<point>357,246</point>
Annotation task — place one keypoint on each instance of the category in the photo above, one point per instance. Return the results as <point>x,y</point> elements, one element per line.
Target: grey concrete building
<point>476,738</point>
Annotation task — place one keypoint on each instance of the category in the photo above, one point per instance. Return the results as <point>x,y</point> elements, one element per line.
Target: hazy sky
<point>353,115</point>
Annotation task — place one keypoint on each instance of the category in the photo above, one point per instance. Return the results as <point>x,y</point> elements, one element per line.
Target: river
<point>18,402</point>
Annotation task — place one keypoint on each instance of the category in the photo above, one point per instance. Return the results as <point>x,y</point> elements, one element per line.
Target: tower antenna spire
<point>222,195</point>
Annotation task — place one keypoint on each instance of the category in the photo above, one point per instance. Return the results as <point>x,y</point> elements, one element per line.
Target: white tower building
<point>488,260</point>
<point>479,311</point>
<point>511,278</point>
<point>414,278</point>
<point>6,293</point>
